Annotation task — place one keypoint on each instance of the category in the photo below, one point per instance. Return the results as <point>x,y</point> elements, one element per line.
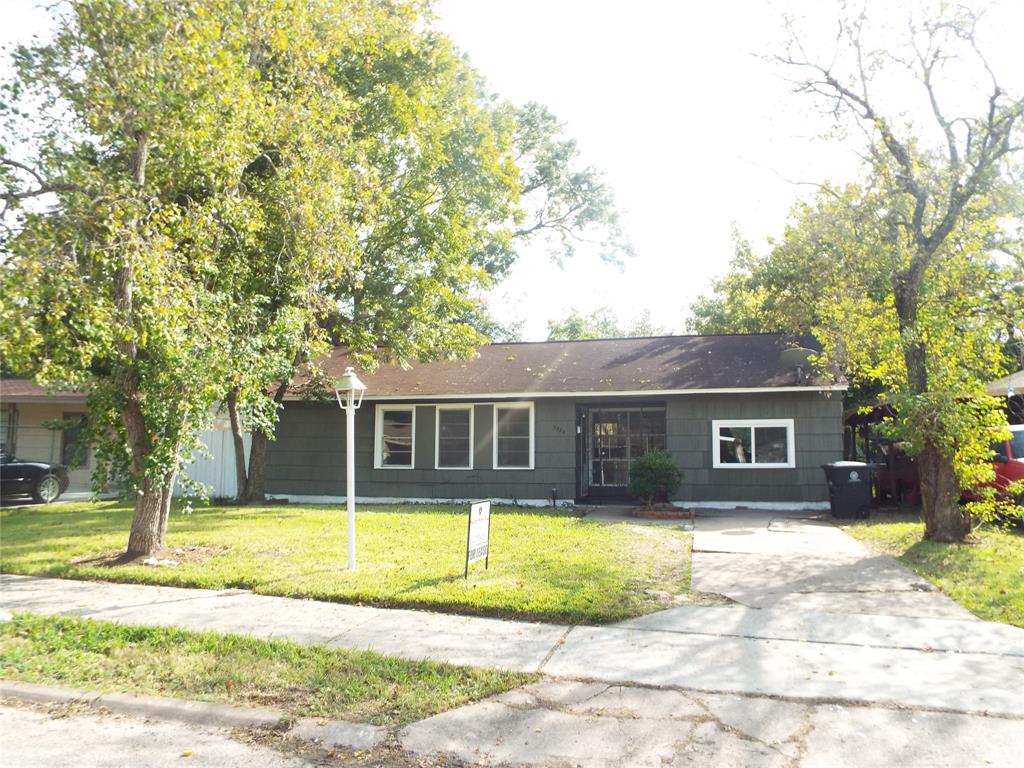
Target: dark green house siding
<point>307,458</point>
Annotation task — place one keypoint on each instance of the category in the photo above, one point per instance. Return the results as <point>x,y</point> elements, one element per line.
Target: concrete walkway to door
<point>801,562</point>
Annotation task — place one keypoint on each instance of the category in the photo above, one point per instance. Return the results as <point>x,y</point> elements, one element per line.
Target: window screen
<point>513,437</point>
<point>454,438</point>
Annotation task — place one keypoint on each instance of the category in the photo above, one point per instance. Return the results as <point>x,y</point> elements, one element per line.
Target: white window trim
<point>494,436</point>
<point>790,463</point>
<point>437,434</point>
<point>378,436</point>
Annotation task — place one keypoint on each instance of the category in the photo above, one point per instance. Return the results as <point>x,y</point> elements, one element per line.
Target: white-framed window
<point>513,435</point>
<point>752,444</point>
<point>395,437</point>
<point>453,437</point>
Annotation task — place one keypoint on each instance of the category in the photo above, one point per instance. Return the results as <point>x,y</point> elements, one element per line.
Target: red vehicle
<point>1009,462</point>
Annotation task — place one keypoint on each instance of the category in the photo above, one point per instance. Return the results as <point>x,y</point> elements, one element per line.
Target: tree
<point>783,291</point>
<point>930,195</point>
<point>131,277</point>
<point>562,201</point>
<point>602,323</point>
<point>308,188</point>
<point>452,176</point>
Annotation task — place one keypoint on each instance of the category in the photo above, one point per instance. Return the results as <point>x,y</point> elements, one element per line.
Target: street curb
<point>338,733</point>
<point>178,710</point>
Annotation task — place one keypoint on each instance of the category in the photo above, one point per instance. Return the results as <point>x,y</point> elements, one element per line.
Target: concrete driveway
<point>800,562</point>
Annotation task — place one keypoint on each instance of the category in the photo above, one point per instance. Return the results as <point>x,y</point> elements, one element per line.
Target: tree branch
<point>44,186</point>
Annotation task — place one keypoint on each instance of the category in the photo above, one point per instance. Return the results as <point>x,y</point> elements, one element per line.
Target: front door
<point>614,437</point>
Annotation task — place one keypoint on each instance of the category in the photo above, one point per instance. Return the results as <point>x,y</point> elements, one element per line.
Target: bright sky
<point>695,131</point>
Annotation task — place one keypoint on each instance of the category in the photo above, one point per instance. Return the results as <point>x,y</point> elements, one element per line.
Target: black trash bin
<point>849,488</point>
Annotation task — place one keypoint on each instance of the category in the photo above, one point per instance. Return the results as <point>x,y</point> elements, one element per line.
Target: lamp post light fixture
<point>347,389</point>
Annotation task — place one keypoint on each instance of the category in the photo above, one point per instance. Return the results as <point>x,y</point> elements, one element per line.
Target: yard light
<point>347,389</point>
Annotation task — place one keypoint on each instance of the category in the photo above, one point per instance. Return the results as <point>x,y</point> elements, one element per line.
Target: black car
<point>42,481</point>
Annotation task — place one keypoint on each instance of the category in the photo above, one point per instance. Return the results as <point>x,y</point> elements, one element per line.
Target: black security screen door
<point>617,436</point>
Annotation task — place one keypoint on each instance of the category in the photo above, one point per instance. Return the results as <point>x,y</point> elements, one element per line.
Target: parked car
<point>1009,461</point>
<point>42,481</point>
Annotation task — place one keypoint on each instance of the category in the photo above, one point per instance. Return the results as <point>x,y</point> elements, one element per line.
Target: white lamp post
<point>349,387</point>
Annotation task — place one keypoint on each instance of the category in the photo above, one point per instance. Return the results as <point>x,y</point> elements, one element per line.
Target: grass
<point>545,565</point>
<point>359,686</point>
<point>985,575</point>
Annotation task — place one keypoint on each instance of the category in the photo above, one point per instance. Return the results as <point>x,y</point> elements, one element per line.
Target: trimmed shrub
<point>653,477</point>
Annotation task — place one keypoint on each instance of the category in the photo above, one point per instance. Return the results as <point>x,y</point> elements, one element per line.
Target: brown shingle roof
<point>599,366</point>
<point>27,391</point>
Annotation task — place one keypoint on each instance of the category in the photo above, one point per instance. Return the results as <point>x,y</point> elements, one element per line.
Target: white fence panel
<point>217,472</point>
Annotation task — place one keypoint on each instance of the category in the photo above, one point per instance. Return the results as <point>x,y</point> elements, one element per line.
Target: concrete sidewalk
<point>559,723</point>
<point>945,665</point>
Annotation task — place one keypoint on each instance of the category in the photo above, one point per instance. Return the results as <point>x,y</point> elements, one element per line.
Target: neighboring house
<point>29,414</point>
<point>746,419</point>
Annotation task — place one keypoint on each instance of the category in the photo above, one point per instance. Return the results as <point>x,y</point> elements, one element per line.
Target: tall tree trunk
<point>256,487</point>
<point>241,476</point>
<point>147,532</point>
<point>147,535</point>
<point>944,518</point>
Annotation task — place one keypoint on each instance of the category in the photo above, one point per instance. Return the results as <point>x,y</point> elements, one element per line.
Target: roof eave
<point>600,393</point>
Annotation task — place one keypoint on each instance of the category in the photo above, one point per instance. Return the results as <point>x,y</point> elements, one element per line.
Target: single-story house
<point>747,419</point>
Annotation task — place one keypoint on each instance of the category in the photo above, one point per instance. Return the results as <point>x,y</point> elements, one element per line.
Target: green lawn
<point>546,565</point>
<point>359,686</point>
<point>986,575</point>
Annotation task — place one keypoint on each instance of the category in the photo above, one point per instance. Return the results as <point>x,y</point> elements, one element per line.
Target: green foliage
<point>234,186</point>
<point>782,291</point>
<point>911,279</point>
<point>602,323</point>
<point>833,273</point>
<point>464,181</point>
<point>409,556</point>
<point>963,318</point>
<point>147,112</point>
<point>654,477</point>
<point>301,680</point>
<point>560,200</point>
<point>936,198</point>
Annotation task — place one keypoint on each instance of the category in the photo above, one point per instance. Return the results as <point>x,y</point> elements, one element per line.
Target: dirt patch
<point>388,755</point>
<point>196,553</point>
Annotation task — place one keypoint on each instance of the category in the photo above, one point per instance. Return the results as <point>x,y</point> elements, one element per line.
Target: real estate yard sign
<point>478,536</point>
